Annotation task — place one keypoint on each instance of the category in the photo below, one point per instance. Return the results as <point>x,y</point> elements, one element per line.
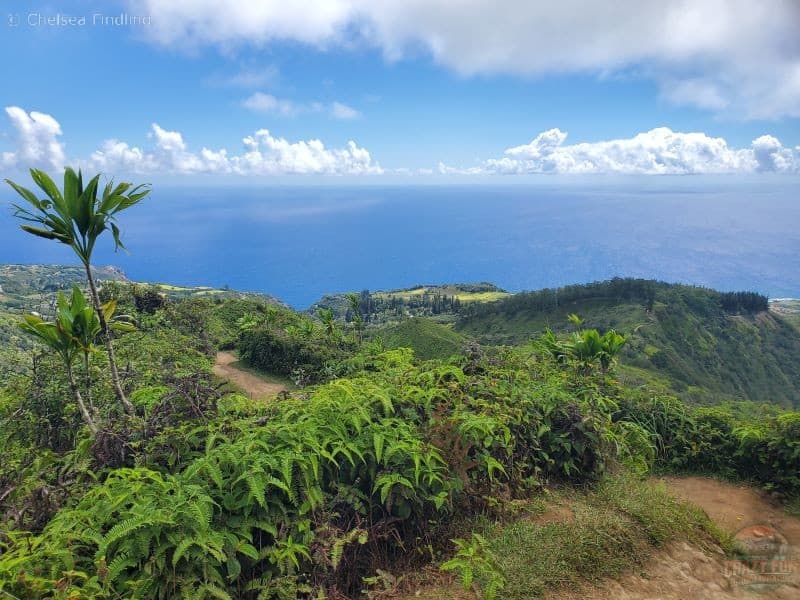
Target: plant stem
<point>88,383</point>
<point>79,399</point>
<point>112,361</point>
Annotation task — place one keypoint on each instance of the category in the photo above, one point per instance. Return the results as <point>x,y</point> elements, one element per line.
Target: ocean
<point>300,242</point>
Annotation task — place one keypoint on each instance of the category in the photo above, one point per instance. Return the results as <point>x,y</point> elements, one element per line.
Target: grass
<point>454,291</point>
<point>688,339</point>
<point>793,507</point>
<point>520,326</point>
<point>480,296</point>
<point>614,528</point>
<point>581,536</point>
<point>427,339</point>
<point>789,309</point>
<point>268,377</point>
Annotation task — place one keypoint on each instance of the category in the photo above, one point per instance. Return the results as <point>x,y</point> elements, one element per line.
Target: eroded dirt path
<point>256,387</point>
<point>734,507</point>
<point>683,571</point>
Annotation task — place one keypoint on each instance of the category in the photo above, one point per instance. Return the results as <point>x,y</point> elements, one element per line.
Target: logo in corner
<point>765,559</point>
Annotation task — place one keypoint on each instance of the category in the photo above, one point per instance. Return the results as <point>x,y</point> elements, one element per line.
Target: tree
<point>77,217</point>
<point>354,304</point>
<point>328,322</point>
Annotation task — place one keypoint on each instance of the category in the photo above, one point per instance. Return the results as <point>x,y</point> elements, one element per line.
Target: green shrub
<point>288,353</point>
<point>292,496</point>
<point>731,440</point>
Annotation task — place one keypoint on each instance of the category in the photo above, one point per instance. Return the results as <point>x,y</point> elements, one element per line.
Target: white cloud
<point>659,151</point>
<point>269,104</point>
<point>268,155</point>
<point>343,112</point>
<point>262,153</point>
<point>194,22</point>
<point>770,155</point>
<point>654,152</point>
<point>36,139</point>
<point>739,57</point>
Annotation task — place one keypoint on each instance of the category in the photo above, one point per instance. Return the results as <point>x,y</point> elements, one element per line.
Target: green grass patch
<point>264,375</point>
<point>427,339</point>
<point>589,535</point>
<point>446,290</point>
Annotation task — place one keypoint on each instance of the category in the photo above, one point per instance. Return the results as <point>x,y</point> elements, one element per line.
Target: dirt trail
<point>256,387</point>
<point>683,571</point>
<point>734,507</point>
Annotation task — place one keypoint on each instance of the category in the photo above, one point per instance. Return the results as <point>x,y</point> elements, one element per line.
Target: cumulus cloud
<point>659,151</point>
<point>269,104</point>
<point>261,154</point>
<point>36,138</point>
<point>267,155</point>
<point>738,57</point>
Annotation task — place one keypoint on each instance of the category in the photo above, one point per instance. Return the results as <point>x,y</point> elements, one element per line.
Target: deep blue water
<point>301,242</point>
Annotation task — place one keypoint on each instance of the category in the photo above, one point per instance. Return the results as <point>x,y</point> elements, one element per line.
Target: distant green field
<point>445,290</point>
<point>427,339</point>
<point>179,291</point>
<point>788,308</point>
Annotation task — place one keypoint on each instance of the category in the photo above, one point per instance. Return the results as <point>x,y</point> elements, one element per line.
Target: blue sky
<point>420,88</point>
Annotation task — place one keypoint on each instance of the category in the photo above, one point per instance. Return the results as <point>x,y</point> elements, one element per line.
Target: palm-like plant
<point>74,331</point>
<point>77,217</point>
<point>612,344</point>
<point>328,322</point>
<point>354,304</point>
<point>588,347</point>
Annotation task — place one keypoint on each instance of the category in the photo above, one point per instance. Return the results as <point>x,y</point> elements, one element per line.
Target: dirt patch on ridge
<point>257,388</point>
<point>683,571</point>
<point>734,507</point>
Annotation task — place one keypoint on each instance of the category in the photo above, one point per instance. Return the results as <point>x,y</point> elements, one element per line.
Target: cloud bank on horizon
<point>659,151</point>
<point>37,145</point>
<point>733,57</point>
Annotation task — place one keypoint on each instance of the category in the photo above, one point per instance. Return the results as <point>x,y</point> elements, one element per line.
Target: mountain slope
<point>426,338</point>
<point>699,342</point>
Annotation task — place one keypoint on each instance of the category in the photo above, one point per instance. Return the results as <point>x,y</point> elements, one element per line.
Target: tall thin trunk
<point>112,361</point>
<point>76,393</point>
<point>88,383</point>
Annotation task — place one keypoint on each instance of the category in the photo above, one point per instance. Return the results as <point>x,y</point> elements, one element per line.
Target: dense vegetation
<point>426,338</point>
<point>704,345</point>
<point>210,494</point>
<point>418,301</point>
<point>382,462</point>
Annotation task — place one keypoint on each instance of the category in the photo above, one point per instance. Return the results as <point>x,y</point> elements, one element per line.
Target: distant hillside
<point>22,286</point>
<point>438,301</point>
<point>426,338</point>
<point>788,308</point>
<point>29,286</point>
<point>25,288</point>
<point>705,345</point>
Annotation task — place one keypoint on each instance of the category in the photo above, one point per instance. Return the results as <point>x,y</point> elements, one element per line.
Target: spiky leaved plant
<point>74,331</point>
<point>77,217</point>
